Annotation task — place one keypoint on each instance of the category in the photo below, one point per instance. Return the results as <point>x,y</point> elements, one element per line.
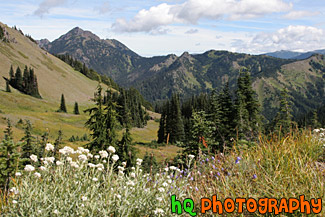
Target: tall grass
<point>274,167</point>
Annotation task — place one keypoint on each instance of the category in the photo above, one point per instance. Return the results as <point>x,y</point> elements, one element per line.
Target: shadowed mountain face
<point>285,54</point>
<point>158,77</point>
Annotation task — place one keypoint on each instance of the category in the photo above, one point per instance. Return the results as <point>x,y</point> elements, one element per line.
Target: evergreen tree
<point>314,121</point>
<point>126,151</point>
<point>110,120</point>
<point>175,122</point>
<point>11,74</point>
<point>9,158</point>
<point>8,87</point>
<point>18,79</point>
<point>63,108</point>
<point>149,163</point>
<point>76,109</point>
<point>162,128</point>
<point>201,131</point>
<point>27,147</point>
<point>247,107</point>
<point>57,144</point>
<point>284,116</point>
<point>26,81</point>
<point>96,122</point>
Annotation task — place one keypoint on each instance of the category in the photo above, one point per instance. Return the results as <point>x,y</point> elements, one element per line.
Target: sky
<point>161,27</point>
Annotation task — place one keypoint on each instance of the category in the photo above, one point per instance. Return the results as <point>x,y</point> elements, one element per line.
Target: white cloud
<point>289,38</point>
<point>46,5</point>
<point>293,15</point>
<point>192,31</point>
<point>191,11</point>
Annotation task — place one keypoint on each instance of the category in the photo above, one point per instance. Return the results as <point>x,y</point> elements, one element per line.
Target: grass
<point>274,167</point>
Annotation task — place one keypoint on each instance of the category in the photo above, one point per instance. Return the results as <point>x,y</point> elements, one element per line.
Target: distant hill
<point>158,77</point>
<point>285,54</point>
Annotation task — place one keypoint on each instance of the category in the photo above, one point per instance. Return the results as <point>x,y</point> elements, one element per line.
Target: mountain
<point>285,54</point>
<point>158,77</point>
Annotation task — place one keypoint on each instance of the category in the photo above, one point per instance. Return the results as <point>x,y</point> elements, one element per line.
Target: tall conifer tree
<point>63,108</point>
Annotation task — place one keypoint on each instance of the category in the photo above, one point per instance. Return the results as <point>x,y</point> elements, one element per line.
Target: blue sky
<point>161,27</point>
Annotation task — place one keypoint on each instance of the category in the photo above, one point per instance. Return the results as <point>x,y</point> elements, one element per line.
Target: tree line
<point>25,82</point>
<point>212,122</point>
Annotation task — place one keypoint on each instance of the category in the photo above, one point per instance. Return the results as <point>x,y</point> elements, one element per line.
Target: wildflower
<point>111,149</point>
<point>120,168</point>
<point>38,175</point>
<point>207,159</point>
<point>254,176</point>
<point>56,211</point>
<point>42,168</point>
<point>124,164</point>
<point>103,154</point>
<point>212,158</point>
<point>59,163</point>
<point>97,156</point>
<point>74,164</point>
<point>115,157</point>
<point>33,158</point>
<point>196,189</point>
<point>159,211</point>
<point>218,174</point>
<point>82,157</point>
<point>66,150</point>
<point>14,190</point>
<point>104,161</point>
<point>191,156</point>
<point>84,198</point>
<point>165,184</point>
<point>49,147</point>
<point>139,161</point>
<point>130,183</point>
<point>29,168</point>
<point>91,165</point>
<point>95,179</point>
<point>100,169</point>
<point>49,160</point>
<point>69,159</point>
<point>133,168</point>
<point>17,174</point>
<point>316,130</point>
<point>132,175</point>
<point>120,172</point>
<point>161,189</point>
<point>237,160</point>
<point>172,167</point>
<point>118,196</point>
<point>100,166</point>
<point>159,199</point>
<point>14,201</point>
<point>166,169</point>
<point>90,155</point>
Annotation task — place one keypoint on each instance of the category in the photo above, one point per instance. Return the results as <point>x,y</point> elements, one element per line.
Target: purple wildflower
<point>254,176</point>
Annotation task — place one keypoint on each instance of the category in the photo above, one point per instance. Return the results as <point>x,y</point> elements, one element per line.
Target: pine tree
<point>314,121</point>
<point>18,80</point>
<point>162,128</point>
<point>9,158</point>
<point>8,87</point>
<point>126,151</point>
<point>76,109</point>
<point>57,144</point>
<point>284,116</point>
<point>27,147</point>
<point>11,74</point>
<point>63,108</point>
<point>96,122</point>
<point>176,127</point>
<point>149,163</point>
<point>110,120</point>
<point>26,81</point>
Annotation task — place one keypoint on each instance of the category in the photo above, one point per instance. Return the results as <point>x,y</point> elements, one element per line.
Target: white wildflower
<point>133,168</point>
<point>29,168</point>
<point>14,201</point>
<point>139,161</point>
<point>38,175</point>
<point>82,157</point>
<point>95,179</point>
<point>97,156</point>
<point>132,175</point>
<point>14,190</point>
<point>33,157</point>
<point>111,149</point>
<point>115,157</point>
<point>84,198</point>
<point>49,159</point>
<point>118,196</point>
<point>74,164</point>
<point>165,184</point>
<point>42,168</point>
<point>59,163</point>
<point>191,156</point>
<point>159,199</point>
<point>69,159</point>
<point>124,164</point>
<point>90,155</point>
<point>104,161</point>
<point>91,165</point>
<point>172,167</point>
<point>166,169</point>
<point>120,168</point>
<point>18,174</point>
<point>161,189</point>
<point>56,211</point>
<point>130,183</point>
<point>159,211</point>
<point>103,154</point>
<point>49,147</point>
<point>100,166</point>
<point>66,150</point>
<point>100,169</point>
<point>120,172</point>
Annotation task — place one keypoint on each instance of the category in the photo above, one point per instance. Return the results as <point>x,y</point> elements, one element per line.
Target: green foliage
<point>27,144</point>
<point>126,150</point>
<point>63,107</point>
<point>9,157</point>
<point>76,109</point>
<point>8,90</point>
<point>283,118</point>
<point>25,83</point>
<point>150,164</point>
<point>102,122</point>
